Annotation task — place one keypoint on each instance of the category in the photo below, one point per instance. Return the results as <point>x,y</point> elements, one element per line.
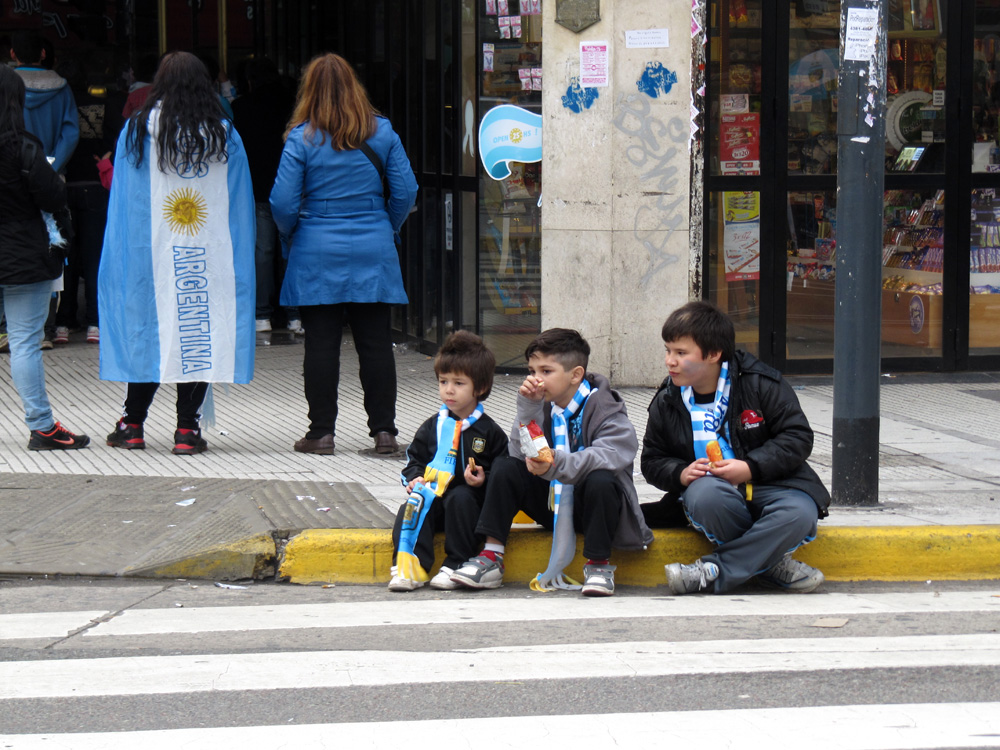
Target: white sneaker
<point>398,583</point>
<point>93,335</point>
<point>442,581</point>
<point>62,335</point>
<point>263,325</point>
<point>295,326</point>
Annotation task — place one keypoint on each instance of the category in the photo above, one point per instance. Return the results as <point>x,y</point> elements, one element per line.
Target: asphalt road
<point>106,663</point>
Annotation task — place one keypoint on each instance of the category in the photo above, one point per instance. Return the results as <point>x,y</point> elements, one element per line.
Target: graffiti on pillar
<point>578,98</point>
<point>656,79</point>
<point>655,153</point>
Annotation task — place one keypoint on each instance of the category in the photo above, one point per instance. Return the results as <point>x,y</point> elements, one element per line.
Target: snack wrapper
<point>533,442</point>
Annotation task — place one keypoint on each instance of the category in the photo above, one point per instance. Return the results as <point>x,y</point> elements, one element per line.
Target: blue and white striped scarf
<point>560,433</point>
<point>442,421</point>
<point>709,424</point>
<point>561,500</point>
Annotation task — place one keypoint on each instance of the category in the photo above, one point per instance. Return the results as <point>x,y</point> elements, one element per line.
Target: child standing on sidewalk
<point>761,501</point>
<point>594,443</point>
<point>464,367</point>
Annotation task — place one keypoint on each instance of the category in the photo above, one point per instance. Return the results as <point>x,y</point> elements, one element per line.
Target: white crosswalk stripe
<point>965,725</point>
<point>98,663</point>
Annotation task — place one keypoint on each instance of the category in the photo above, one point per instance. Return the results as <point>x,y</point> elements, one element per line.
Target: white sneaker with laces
<point>263,325</point>
<point>93,335</point>
<point>295,326</point>
<point>442,581</point>
<point>398,583</point>
<point>62,335</point>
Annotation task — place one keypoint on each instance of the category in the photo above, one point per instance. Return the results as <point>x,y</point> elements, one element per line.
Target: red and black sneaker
<point>188,442</point>
<point>128,436</point>
<point>56,439</point>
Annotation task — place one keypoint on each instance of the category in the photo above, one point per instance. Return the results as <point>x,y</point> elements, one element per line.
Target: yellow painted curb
<point>855,553</point>
<point>247,558</point>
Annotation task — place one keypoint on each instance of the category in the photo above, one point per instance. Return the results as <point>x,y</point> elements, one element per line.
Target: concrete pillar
<point>615,186</point>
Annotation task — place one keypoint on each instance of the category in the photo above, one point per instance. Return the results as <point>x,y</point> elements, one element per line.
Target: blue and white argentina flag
<point>508,133</point>
<point>176,285</point>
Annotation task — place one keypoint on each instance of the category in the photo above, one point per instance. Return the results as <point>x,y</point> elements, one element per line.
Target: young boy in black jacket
<point>464,367</point>
<point>761,501</point>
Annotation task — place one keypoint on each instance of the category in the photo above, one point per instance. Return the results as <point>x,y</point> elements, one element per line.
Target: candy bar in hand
<point>534,444</point>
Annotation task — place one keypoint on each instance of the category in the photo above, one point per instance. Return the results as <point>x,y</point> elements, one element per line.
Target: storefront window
<point>984,272</point>
<point>986,88</point>
<point>912,272</point>
<point>813,62</point>
<point>509,216</point>
<point>812,256</point>
<point>915,84</point>
<point>734,261</point>
<point>734,73</point>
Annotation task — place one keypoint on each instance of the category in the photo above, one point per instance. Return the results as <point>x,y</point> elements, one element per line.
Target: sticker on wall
<point>578,98</point>
<point>508,133</point>
<point>656,79</point>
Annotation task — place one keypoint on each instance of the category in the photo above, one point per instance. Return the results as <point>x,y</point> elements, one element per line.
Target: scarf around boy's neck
<point>561,498</point>
<point>708,424</point>
<point>466,423</point>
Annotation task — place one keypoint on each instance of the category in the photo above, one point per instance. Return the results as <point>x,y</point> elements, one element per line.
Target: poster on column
<point>741,235</point>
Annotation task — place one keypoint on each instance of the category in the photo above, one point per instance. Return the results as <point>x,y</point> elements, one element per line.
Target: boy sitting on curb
<point>594,443</point>
<point>761,501</point>
<point>464,367</point>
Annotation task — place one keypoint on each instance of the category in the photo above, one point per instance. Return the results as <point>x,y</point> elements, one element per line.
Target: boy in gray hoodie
<point>594,446</point>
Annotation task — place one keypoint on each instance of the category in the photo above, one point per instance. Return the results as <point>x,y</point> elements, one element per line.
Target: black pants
<point>89,207</point>
<point>597,504</point>
<point>371,326</point>
<point>189,399</point>
<point>455,513</point>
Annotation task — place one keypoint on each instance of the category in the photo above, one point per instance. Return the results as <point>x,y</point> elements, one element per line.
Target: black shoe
<point>322,446</point>
<point>188,442</point>
<point>56,439</point>
<point>128,436</point>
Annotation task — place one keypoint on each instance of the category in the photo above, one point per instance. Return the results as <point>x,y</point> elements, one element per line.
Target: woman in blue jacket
<point>338,234</point>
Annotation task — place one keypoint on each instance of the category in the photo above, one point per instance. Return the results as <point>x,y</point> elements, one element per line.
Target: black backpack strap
<point>373,158</point>
<point>377,163</point>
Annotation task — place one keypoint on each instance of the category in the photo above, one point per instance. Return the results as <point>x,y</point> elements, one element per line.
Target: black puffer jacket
<point>28,186</point>
<point>766,425</point>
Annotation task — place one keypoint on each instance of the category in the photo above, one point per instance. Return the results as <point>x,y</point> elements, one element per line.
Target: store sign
<point>508,133</point>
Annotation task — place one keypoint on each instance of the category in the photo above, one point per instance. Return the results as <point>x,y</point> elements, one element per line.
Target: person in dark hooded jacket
<point>760,501</point>
<point>28,261</point>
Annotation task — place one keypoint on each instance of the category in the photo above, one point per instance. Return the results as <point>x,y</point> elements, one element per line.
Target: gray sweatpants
<point>749,537</point>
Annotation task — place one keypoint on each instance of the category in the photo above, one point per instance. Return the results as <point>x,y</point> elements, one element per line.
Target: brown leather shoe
<point>322,446</point>
<point>385,442</point>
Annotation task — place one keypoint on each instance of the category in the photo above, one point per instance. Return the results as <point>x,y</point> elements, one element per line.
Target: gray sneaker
<point>598,580</point>
<point>480,573</point>
<point>687,579</point>
<point>792,575</point>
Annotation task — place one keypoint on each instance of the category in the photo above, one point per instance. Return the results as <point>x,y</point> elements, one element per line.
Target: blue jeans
<point>266,252</point>
<point>26,307</point>
<point>749,537</point>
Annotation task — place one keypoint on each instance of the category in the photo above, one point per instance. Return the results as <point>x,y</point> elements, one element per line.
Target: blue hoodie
<point>50,113</point>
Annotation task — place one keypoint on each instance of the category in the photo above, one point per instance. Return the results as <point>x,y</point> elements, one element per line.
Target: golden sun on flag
<point>185,211</point>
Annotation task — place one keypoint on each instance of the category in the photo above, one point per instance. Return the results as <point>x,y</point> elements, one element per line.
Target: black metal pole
<point>858,312</point>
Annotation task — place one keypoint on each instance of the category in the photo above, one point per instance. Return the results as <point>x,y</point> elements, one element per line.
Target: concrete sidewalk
<point>259,509</point>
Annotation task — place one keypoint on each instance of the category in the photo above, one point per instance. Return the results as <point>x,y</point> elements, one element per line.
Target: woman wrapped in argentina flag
<point>176,284</point>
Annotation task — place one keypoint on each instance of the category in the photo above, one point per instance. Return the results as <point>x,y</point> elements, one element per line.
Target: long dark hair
<point>191,128</point>
<point>11,111</point>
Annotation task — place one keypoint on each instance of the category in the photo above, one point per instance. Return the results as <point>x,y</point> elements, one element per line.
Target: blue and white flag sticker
<point>508,133</point>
